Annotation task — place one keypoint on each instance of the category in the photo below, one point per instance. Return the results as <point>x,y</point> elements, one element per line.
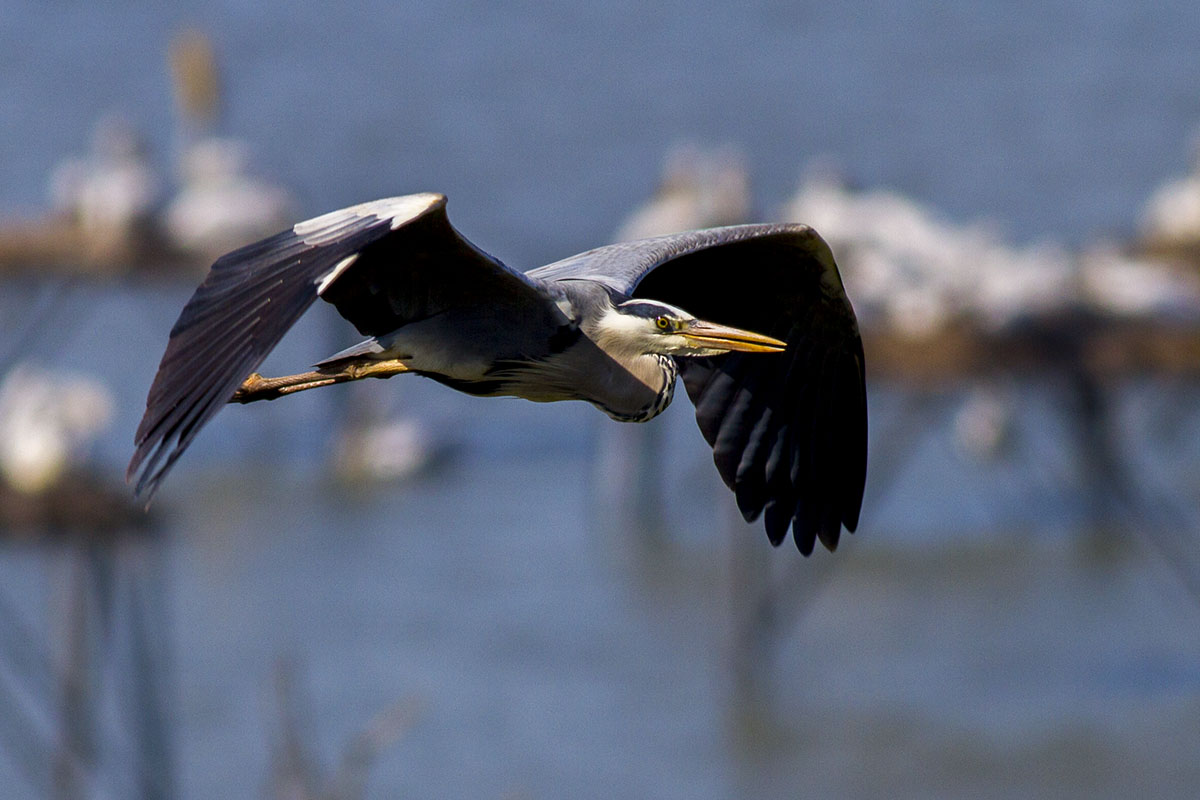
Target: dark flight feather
<point>788,431</point>
<point>382,264</point>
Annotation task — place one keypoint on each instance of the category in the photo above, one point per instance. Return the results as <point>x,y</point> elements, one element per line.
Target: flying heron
<point>773,362</point>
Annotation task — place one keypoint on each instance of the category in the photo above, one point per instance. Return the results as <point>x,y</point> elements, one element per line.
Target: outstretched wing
<point>381,264</point>
<point>788,431</point>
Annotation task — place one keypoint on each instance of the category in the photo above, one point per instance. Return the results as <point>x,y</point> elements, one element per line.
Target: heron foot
<point>256,387</point>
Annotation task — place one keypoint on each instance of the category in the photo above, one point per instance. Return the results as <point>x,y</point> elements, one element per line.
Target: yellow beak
<point>722,337</point>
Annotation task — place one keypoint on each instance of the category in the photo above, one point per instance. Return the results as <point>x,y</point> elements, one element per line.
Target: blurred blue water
<point>554,659</point>
<point>1055,118</point>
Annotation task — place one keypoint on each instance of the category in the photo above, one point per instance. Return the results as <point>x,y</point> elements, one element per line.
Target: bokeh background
<point>507,600</point>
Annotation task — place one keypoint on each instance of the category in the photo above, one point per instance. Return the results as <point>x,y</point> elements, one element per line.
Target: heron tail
<point>365,349</point>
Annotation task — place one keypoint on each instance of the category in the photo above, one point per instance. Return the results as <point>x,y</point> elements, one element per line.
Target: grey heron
<point>768,346</point>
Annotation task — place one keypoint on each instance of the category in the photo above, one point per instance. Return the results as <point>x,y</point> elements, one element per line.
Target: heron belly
<point>462,361</point>
<point>426,348</point>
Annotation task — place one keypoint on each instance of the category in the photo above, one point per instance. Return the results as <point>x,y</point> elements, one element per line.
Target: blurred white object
<point>111,190</point>
<point>1173,211</point>
<point>699,189</point>
<point>386,451</point>
<point>1120,284</point>
<point>915,272</point>
<point>47,422</point>
<point>983,426</point>
<point>221,207</point>
<point>1172,214</point>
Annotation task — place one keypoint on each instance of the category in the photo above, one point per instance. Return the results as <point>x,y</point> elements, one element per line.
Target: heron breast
<point>646,396</point>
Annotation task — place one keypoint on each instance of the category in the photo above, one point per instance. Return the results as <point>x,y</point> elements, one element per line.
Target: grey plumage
<point>611,326</point>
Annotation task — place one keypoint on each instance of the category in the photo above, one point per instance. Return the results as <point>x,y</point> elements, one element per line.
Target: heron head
<point>650,326</point>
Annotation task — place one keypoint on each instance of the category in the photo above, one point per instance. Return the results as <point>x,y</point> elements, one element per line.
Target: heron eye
<point>663,323</point>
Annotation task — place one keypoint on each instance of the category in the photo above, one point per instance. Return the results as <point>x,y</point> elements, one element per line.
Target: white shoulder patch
<point>335,273</point>
<point>400,210</point>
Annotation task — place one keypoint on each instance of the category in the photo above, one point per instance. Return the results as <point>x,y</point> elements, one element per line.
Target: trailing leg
<point>256,387</point>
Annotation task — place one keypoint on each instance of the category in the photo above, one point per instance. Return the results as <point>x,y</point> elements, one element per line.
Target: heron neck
<point>640,391</point>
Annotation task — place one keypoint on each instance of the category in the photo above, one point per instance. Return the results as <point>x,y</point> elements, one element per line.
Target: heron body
<point>626,382</point>
<point>753,317</point>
